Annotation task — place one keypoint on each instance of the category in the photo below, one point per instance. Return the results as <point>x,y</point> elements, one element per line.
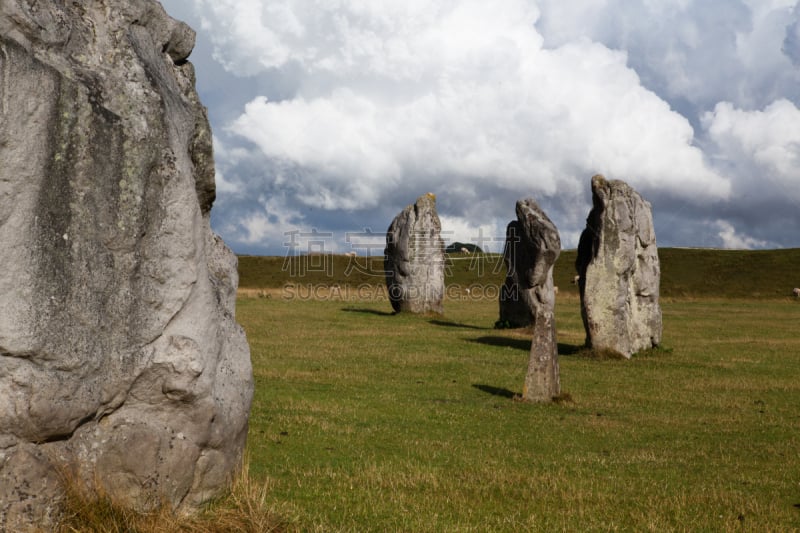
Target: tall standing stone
<point>619,272</point>
<point>120,359</point>
<point>517,307</point>
<point>414,258</point>
<point>532,248</point>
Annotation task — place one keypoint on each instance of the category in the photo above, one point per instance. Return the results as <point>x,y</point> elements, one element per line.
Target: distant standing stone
<point>414,258</point>
<point>619,271</point>
<point>527,297</point>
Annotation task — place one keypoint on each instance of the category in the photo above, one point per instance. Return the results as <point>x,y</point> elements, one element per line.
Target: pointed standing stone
<point>619,272</point>
<point>532,247</point>
<point>414,258</point>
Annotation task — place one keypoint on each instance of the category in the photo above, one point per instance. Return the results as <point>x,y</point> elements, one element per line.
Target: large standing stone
<point>619,271</point>
<point>414,258</point>
<point>120,359</point>
<point>528,298</point>
<point>517,305</point>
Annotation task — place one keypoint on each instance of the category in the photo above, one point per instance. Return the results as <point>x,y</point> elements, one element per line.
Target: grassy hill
<point>684,272</point>
<point>729,273</point>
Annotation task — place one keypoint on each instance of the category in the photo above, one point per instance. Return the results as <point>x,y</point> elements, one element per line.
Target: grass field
<point>367,421</point>
<point>364,421</point>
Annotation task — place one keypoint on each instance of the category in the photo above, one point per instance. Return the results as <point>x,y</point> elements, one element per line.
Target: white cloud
<point>791,41</point>
<point>269,225</point>
<point>245,44</point>
<point>225,186</point>
<point>478,102</point>
<point>763,146</point>
<point>733,240</point>
<point>358,106</point>
<point>698,52</point>
<point>489,237</point>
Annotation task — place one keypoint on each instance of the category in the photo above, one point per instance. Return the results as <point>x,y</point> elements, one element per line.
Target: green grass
<point>367,421</point>
<point>730,273</point>
<point>685,272</point>
<point>363,421</point>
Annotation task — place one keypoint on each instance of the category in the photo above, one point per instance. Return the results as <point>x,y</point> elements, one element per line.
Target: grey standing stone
<point>619,272</point>
<point>120,358</point>
<point>414,258</point>
<point>527,297</point>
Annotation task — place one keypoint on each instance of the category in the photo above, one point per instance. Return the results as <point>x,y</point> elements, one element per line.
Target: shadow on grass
<point>504,342</point>
<point>525,344</point>
<point>447,324</point>
<point>597,354</point>
<point>570,349</point>
<point>495,391</point>
<point>367,311</point>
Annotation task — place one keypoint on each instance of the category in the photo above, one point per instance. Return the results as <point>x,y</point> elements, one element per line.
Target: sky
<point>331,116</point>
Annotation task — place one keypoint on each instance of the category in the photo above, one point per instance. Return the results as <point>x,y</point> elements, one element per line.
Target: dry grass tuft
<point>243,508</point>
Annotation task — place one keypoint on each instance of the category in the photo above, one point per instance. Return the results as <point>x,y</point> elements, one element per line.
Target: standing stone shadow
<point>569,349</point>
<point>367,311</point>
<point>504,342</point>
<point>447,324</point>
<point>496,391</point>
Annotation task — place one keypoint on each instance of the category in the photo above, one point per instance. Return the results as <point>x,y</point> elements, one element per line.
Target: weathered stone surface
<point>414,258</point>
<point>619,272</point>
<point>532,248</point>
<point>120,359</point>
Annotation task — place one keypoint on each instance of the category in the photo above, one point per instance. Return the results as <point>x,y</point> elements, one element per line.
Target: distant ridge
<point>685,272</point>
